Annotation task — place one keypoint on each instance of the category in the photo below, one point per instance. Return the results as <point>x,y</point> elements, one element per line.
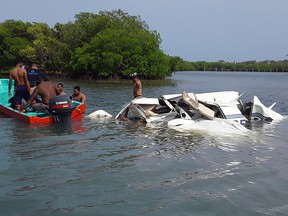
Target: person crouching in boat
<point>22,86</point>
<point>46,90</point>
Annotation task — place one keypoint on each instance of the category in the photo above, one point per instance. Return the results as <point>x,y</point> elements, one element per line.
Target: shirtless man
<point>77,95</point>
<point>60,89</point>
<point>22,86</point>
<point>46,90</point>
<point>137,88</point>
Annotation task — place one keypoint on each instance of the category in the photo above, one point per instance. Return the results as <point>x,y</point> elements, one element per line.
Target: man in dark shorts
<point>22,88</point>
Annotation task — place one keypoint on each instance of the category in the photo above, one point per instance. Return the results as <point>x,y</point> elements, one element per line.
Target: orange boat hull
<point>77,114</point>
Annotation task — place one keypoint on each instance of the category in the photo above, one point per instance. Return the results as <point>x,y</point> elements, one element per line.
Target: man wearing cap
<point>137,88</point>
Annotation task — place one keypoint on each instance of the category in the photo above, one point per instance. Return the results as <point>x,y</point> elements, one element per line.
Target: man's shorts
<point>21,92</point>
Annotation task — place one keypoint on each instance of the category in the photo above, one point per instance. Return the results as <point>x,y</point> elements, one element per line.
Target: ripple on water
<point>117,168</point>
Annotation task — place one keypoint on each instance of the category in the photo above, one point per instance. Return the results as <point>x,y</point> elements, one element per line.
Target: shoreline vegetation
<point>105,46</point>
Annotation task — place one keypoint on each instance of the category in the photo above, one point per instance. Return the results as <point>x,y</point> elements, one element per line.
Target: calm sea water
<point>112,168</point>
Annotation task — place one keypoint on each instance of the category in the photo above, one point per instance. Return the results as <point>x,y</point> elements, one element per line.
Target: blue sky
<point>195,30</point>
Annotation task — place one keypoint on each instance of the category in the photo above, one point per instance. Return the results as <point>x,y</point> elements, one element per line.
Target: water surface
<point>112,168</point>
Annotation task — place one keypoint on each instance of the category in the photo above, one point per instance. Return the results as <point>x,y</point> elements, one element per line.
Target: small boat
<point>48,117</point>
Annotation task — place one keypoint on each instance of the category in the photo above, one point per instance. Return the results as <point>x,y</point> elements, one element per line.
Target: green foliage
<point>17,28</point>
<point>39,30</point>
<point>124,46</point>
<point>111,44</point>
<point>12,47</point>
<point>104,45</point>
<point>254,66</point>
<point>13,38</point>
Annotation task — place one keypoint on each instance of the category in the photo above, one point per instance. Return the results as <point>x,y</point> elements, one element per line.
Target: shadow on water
<point>2,116</point>
<point>26,132</point>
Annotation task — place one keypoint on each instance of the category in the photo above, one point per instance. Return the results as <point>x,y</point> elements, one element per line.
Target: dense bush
<point>104,45</point>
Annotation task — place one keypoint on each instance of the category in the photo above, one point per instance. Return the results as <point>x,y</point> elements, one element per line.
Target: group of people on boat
<point>31,87</point>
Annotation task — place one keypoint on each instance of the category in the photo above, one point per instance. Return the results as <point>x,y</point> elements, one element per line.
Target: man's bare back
<point>22,88</point>
<point>137,88</point>
<point>19,75</point>
<point>46,90</point>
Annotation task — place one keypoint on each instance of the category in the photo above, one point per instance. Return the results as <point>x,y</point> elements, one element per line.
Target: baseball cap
<point>135,74</point>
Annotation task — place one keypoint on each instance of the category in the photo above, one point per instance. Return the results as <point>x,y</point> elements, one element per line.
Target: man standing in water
<point>137,88</point>
<point>22,86</point>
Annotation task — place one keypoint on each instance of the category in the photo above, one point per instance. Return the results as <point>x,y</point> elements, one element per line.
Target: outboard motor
<point>61,108</point>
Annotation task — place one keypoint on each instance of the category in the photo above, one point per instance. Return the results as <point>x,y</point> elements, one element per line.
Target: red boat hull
<point>41,118</point>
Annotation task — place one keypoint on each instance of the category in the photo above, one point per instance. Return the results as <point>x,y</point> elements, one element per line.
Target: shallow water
<point>112,168</point>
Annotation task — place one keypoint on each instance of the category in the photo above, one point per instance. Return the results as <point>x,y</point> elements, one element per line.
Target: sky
<point>195,30</point>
